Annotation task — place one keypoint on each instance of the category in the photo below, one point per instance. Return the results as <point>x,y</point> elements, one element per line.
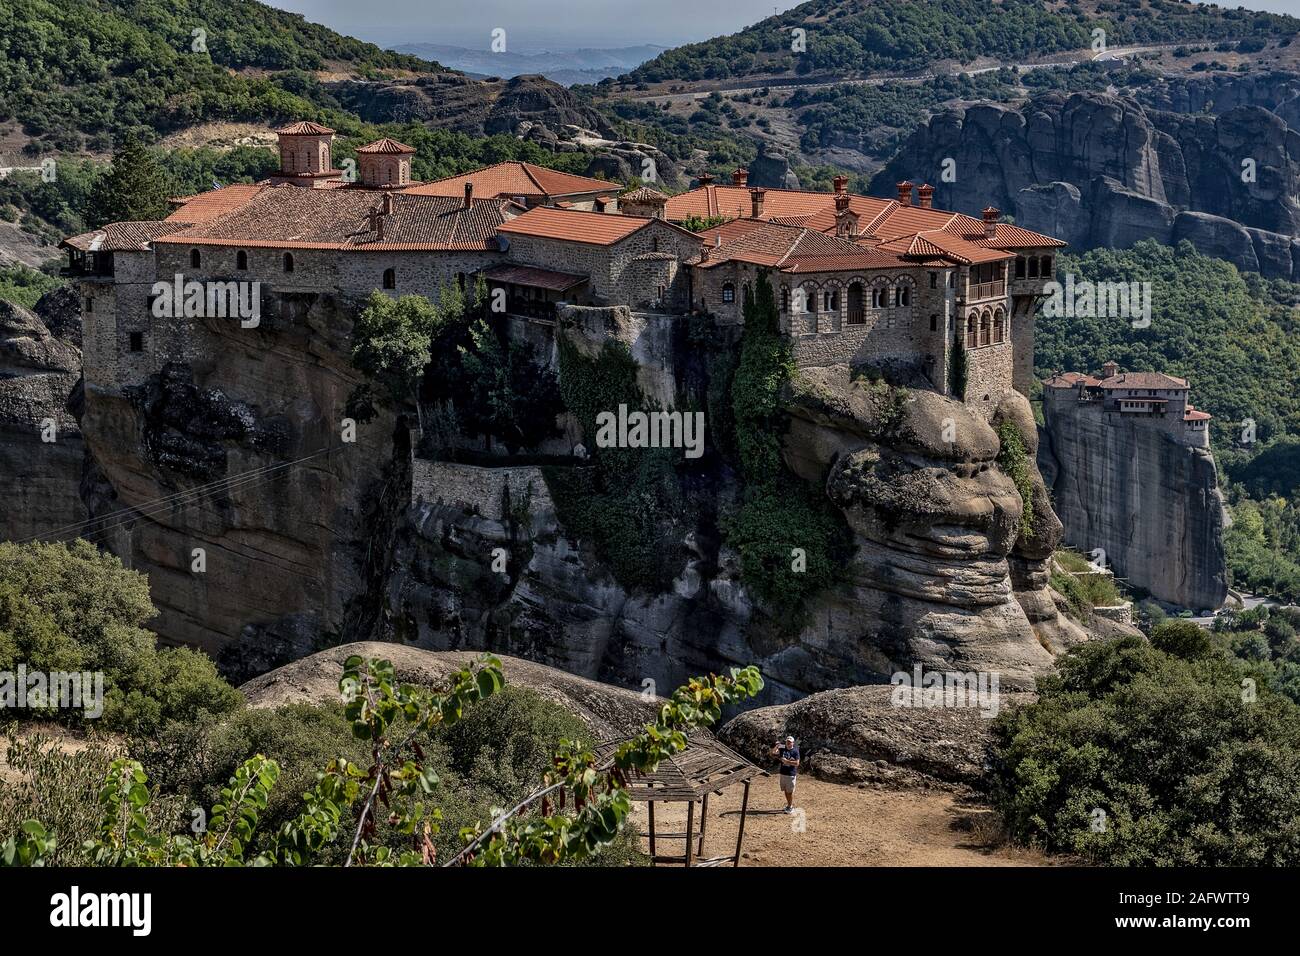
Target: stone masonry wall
<point>488,492</point>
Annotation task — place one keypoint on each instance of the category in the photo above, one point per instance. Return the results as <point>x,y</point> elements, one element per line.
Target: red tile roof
<point>385,145</point>
<point>795,249</point>
<point>645,194</point>
<point>532,276</point>
<point>217,202</point>
<point>304,128</point>
<point>1144,380</point>
<point>122,236</point>
<point>510,179</point>
<point>876,218</point>
<point>296,218</point>
<point>574,225</point>
<point>1196,415</point>
<point>1070,380</point>
<point>934,243</point>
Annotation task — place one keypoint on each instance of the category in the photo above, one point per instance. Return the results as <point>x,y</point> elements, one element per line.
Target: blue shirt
<point>790,753</point>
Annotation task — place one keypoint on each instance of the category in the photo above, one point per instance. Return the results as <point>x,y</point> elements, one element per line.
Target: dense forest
<point>77,73</point>
<point>860,36</point>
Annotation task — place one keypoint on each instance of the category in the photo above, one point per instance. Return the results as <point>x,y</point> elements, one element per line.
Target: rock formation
<point>941,575</point>
<point>283,550</point>
<point>1102,170</point>
<point>40,367</point>
<point>857,735</point>
<point>1151,503</point>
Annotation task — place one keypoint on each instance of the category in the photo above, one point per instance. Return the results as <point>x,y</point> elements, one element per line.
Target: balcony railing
<point>986,290</point>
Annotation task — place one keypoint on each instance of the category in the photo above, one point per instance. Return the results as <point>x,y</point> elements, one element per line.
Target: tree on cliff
<point>135,188</point>
<point>789,538</point>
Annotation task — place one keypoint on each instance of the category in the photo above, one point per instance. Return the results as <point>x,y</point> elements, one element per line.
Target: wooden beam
<point>740,835</point>
<point>704,819</point>
<point>690,830</point>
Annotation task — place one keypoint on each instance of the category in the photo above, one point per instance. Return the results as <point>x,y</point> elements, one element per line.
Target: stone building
<point>893,284</point>
<point>1127,458</point>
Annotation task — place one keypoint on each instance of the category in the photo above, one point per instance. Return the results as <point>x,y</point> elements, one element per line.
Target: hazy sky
<point>553,24</point>
<point>561,24</point>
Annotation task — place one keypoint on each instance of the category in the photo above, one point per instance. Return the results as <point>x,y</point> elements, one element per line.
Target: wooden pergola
<point>707,766</point>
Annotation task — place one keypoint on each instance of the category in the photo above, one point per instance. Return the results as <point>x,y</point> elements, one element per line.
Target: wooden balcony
<point>980,291</point>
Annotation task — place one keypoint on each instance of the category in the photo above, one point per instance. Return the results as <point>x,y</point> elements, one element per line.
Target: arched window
<point>831,300</point>
<point>1033,267</point>
<point>241,260</point>
<point>879,296</point>
<point>288,262</point>
<point>999,326</point>
<point>855,305</point>
<point>904,295</point>
<point>1046,269</point>
<point>390,278</point>
<point>972,331</point>
<point>195,259</point>
<point>728,292</point>
<point>986,328</point>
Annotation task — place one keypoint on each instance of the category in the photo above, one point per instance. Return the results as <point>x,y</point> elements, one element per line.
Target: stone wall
<point>1152,503</point>
<point>492,493</point>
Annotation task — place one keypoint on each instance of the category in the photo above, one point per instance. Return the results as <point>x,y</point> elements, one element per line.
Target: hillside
<point>853,37</point>
<point>75,73</point>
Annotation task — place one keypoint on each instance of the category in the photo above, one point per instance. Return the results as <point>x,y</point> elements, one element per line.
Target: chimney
<point>756,202</point>
<point>379,228</point>
<point>905,193</point>
<point>388,204</point>
<point>469,193</point>
<point>990,222</point>
<point>373,216</point>
<point>705,179</point>
<point>740,177</point>
<point>1108,370</point>
<point>925,195</point>
<point>841,182</point>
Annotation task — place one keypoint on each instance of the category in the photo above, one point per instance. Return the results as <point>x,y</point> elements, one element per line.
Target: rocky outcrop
<point>771,169</point>
<point>1151,503</point>
<point>1103,170</point>
<point>858,735</point>
<point>41,448</point>
<point>236,453</point>
<point>516,107</point>
<point>610,713</point>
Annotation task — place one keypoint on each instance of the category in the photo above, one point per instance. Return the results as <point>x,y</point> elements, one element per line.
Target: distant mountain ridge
<point>847,37</point>
<point>584,65</point>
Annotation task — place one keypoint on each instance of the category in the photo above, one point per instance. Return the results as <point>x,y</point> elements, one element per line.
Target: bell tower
<point>305,154</point>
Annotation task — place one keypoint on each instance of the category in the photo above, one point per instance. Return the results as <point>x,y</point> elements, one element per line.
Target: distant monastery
<point>859,280</point>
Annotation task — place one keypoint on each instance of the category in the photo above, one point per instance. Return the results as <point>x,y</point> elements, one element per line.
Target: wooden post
<point>652,832</point>
<point>704,819</point>
<point>690,830</point>
<point>740,835</point>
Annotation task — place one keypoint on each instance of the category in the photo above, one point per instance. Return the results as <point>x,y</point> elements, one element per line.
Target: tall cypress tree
<point>134,188</point>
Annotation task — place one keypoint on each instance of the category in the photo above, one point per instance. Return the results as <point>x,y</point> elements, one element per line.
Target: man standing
<point>789,755</point>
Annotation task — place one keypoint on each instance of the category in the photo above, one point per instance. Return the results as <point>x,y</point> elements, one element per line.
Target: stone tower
<point>385,162</point>
<point>305,154</point>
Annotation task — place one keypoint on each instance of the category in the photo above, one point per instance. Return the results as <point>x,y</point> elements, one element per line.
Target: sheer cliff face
<point>1101,170</point>
<point>941,575</point>
<point>1151,503</point>
<point>282,550</point>
<point>41,449</point>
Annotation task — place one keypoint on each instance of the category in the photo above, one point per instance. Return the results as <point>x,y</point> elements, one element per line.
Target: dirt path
<point>845,826</point>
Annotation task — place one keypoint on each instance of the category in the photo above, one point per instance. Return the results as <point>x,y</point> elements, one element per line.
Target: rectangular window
<point>934,323</point>
<point>137,341</point>
<point>934,280</point>
<point>90,305</point>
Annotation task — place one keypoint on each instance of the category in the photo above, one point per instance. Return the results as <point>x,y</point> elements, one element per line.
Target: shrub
<point>69,607</point>
<point>1134,757</point>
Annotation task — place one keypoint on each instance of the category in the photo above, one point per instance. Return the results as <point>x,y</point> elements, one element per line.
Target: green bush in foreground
<point>71,608</point>
<point>577,809</point>
<point>1133,756</point>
